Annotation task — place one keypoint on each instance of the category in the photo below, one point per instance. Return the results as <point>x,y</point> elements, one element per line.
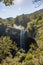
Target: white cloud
<point>18,2</point>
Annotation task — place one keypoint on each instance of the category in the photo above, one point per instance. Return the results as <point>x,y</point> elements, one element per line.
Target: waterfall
<point>22,36</point>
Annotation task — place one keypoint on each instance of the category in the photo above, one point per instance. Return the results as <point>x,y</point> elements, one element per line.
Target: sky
<point>20,7</point>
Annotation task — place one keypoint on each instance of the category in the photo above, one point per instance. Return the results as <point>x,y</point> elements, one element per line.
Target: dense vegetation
<point>10,54</point>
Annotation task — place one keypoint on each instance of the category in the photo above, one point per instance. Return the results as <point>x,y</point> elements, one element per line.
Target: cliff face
<point>2,30</point>
<point>33,23</point>
<point>9,31</point>
<point>21,36</point>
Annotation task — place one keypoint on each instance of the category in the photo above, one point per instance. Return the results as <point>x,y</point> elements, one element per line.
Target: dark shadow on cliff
<point>30,41</point>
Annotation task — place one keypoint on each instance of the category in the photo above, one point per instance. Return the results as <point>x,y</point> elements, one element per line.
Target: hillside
<point>30,28</point>
<point>19,20</point>
<point>28,21</point>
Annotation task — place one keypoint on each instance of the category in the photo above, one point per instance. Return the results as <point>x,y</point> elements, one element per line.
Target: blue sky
<point>20,7</point>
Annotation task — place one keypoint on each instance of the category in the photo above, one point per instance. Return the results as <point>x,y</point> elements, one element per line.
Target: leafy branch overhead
<point>7,2</point>
<point>10,2</point>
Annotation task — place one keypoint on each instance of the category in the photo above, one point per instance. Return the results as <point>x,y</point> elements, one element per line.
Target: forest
<point>31,52</point>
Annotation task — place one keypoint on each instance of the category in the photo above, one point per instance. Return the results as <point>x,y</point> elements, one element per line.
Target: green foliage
<point>22,58</point>
<point>34,56</point>
<point>10,2</point>
<point>28,57</point>
<point>22,51</point>
<point>7,2</point>
<point>5,45</point>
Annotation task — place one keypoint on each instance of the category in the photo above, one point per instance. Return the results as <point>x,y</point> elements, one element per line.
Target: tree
<point>7,2</point>
<point>38,2</point>
<point>33,30</point>
<point>5,45</point>
<point>10,2</point>
<point>17,21</point>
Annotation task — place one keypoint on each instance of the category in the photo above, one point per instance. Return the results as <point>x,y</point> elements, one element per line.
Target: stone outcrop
<point>22,37</point>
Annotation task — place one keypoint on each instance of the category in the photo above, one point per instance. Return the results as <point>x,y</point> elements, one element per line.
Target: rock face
<point>2,30</point>
<point>19,35</point>
<point>9,31</point>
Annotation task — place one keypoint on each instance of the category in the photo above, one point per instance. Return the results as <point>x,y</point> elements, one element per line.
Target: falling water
<point>22,36</point>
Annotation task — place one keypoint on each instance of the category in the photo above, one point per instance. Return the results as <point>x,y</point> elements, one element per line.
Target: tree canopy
<point>7,2</point>
<point>10,2</point>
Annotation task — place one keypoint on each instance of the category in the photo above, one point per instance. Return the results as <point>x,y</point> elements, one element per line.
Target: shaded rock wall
<point>15,36</point>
